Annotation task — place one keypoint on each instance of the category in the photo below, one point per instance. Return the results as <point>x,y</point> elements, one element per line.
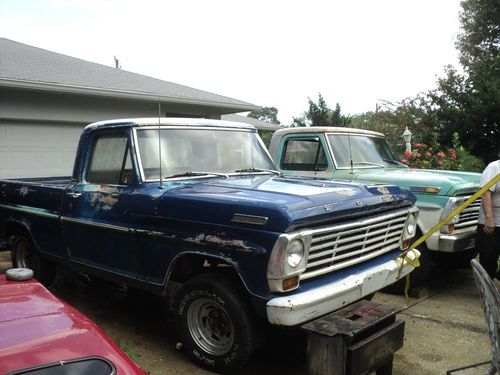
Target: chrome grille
<point>344,245</point>
<point>468,217</point>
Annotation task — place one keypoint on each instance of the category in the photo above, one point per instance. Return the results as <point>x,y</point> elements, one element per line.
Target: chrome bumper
<point>454,243</point>
<point>302,307</point>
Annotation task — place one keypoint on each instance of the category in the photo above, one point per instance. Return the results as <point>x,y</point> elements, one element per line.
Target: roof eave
<point>93,91</point>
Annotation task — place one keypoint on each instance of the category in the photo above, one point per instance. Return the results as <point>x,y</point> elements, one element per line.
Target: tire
<point>24,255</point>
<point>215,322</point>
<point>453,261</point>
<point>418,277</point>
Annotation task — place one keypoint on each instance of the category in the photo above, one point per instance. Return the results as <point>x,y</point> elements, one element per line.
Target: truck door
<point>95,210</point>
<point>305,155</point>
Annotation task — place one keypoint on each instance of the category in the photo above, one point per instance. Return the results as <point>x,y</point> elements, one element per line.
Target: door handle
<point>73,194</point>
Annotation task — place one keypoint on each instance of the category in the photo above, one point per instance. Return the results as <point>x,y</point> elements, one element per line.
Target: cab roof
<point>168,121</point>
<point>326,129</point>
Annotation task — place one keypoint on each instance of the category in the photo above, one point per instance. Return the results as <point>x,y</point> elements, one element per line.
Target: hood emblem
<point>359,203</point>
<point>383,190</point>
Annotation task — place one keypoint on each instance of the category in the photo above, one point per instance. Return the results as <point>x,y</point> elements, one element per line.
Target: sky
<point>267,52</point>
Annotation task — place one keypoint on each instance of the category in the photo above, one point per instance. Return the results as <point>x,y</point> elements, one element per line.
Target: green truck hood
<point>451,182</point>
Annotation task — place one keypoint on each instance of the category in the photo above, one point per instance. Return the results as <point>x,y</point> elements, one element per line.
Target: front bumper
<point>302,307</point>
<point>454,243</point>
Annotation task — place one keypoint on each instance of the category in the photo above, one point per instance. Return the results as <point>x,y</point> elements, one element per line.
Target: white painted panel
<point>3,134</point>
<point>3,161</point>
<point>23,159</point>
<point>37,150</point>
<point>21,135</point>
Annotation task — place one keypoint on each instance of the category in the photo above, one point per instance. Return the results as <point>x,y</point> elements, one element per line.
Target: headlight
<point>452,204</point>
<point>294,253</point>
<point>288,260</point>
<point>411,224</point>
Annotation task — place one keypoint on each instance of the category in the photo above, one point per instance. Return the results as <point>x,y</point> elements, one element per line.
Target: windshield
<point>196,152</point>
<point>366,151</point>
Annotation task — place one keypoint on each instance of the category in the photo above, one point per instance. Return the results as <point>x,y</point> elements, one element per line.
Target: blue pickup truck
<point>213,227</point>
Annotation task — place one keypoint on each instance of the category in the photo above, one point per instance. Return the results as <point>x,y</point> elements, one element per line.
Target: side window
<point>110,161</point>
<point>304,154</point>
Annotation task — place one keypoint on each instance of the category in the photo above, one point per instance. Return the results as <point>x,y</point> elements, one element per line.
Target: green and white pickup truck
<point>365,156</point>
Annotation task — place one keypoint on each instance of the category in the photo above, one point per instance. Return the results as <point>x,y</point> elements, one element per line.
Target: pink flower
<point>440,154</point>
<point>428,154</point>
<point>404,161</point>
<point>419,154</point>
<point>407,154</point>
<point>418,145</point>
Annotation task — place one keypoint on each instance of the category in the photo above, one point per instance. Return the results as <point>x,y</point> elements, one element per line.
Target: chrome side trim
<point>95,224</point>
<point>31,210</point>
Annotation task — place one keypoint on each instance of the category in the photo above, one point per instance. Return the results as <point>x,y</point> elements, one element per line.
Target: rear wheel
<point>215,322</point>
<point>24,255</point>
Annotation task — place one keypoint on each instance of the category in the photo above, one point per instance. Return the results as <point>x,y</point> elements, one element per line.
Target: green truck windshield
<point>364,151</point>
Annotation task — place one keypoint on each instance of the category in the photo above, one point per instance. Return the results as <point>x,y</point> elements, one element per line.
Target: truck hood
<point>286,202</point>
<point>450,182</point>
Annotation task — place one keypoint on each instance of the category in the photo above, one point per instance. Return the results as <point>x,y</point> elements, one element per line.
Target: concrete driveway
<point>444,329</point>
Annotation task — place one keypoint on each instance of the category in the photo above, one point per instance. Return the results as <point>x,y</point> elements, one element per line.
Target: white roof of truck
<point>326,129</point>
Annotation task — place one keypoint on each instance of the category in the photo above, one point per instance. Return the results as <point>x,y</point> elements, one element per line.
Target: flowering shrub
<point>434,157</point>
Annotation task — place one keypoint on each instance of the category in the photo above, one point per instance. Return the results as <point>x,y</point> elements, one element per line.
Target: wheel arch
<point>190,264</point>
<point>13,227</point>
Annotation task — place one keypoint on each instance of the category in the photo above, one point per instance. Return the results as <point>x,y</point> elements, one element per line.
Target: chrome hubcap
<point>210,326</point>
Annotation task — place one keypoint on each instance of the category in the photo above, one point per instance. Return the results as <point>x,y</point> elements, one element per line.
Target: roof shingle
<point>23,63</point>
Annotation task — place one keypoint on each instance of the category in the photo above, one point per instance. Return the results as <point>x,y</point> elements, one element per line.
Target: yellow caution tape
<point>404,255</point>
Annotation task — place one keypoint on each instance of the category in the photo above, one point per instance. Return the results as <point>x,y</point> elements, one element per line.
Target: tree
<point>267,114</point>
<point>319,114</point>
<point>469,102</point>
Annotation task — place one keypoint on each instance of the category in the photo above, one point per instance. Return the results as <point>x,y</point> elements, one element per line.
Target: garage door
<point>37,150</point>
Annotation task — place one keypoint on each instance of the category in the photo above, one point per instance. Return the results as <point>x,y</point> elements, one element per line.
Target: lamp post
<point>407,138</point>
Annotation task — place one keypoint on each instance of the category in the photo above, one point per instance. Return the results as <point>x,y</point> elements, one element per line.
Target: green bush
<point>433,156</point>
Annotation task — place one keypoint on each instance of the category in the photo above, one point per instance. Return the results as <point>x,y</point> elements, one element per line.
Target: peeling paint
<point>103,200</point>
<point>24,190</point>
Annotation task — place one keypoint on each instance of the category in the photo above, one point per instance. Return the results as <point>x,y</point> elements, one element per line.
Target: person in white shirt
<point>488,229</point>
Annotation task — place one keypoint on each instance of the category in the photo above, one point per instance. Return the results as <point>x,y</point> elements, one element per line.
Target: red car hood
<point>36,328</point>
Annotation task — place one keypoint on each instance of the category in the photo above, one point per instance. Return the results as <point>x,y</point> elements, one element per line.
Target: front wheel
<point>215,322</point>
<point>24,255</point>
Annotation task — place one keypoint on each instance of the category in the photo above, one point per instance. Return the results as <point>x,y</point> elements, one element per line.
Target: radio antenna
<point>159,141</point>
<point>350,150</point>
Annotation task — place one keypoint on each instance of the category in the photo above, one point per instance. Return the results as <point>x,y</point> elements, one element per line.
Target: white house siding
<point>39,131</point>
<point>37,149</point>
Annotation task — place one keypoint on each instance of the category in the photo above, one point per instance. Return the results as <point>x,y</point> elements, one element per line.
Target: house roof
<point>259,124</point>
<point>29,67</point>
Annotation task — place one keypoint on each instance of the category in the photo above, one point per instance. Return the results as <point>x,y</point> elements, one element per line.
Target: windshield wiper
<point>392,161</point>
<point>257,170</point>
<point>195,174</point>
<point>369,163</point>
